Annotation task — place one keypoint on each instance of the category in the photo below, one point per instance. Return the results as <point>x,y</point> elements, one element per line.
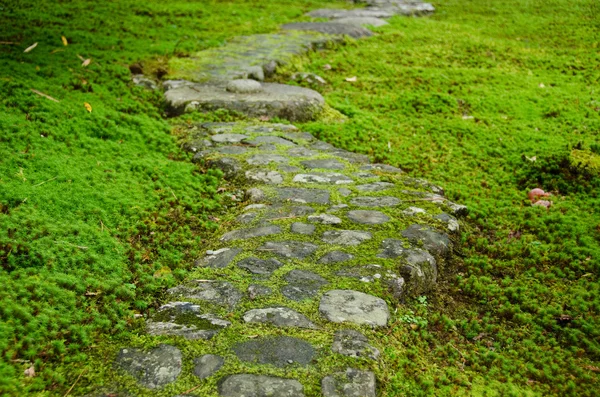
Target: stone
<point>274,100</point>
<point>207,365</point>
<point>355,158</point>
<point>257,290</point>
<point>380,201</point>
<point>435,242</point>
<point>228,138</point>
<point>355,13</point>
<point>289,249</point>
<point>269,139</point>
<point>457,209</point>
<point>247,385</point>
<point>152,369</point>
<point>247,217</point>
<point>263,267</point>
<point>302,228</point>
<point>230,167</point>
<point>324,146</point>
<point>325,219</point>
<point>352,383</point>
<point>368,217</point>
<point>243,234</point>
<point>365,175</point>
<point>335,257</point>
<point>270,177</point>
<point>375,187</point>
<point>344,192</point>
<point>279,317</point>
<point>412,211</point>
<point>362,21</point>
<point>219,259</point>
<point>367,273</point>
<point>289,168</point>
<point>322,177</point>
<point>220,293</point>
<point>142,81</point>
<point>392,248</point>
<point>329,28</point>
<point>298,136</point>
<point>232,150</point>
<point>244,86</point>
<point>185,319</point>
<point>301,152</point>
<point>280,351</point>
<point>337,207</point>
<point>346,237</point>
<point>265,159</point>
<point>340,306</point>
<point>310,78</point>
<point>416,182</point>
<point>302,284</point>
<point>254,195</point>
<point>381,167</point>
<point>353,344</point>
<point>286,212</point>
<point>450,221</point>
<point>397,288</point>
<point>316,196</point>
<point>328,164</point>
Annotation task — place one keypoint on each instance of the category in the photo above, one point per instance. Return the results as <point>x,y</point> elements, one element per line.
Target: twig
<point>7,42</point>
<point>462,366</point>
<point>73,245</point>
<point>76,380</point>
<point>49,180</point>
<point>191,390</point>
<point>44,95</point>
<point>102,225</point>
<point>173,193</point>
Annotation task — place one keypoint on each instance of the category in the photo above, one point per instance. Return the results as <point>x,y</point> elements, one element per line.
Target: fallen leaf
<point>532,159</point>
<point>86,62</point>
<point>31,47</point>
<point>57,50</point>
<point>88,107</point>
<point>481,335</point>
<point>351,79</point>
<point>44,95</point>
<point>327,67</point>
<point>30,372</point>
<point>64,40</point>
<point>414,326</point>
<point>542,85</point>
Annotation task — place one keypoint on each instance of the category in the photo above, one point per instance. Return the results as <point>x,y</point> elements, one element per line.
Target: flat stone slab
<point>215,292</point>
<point>353,344</point>
<point>279,317</point>
<point>340,306</point>
<point>265,159</point>
<point>280,351</point>
<point>328,164</point>
<point>333,28</point>
<point>289,249</point>
<point>450,221</point>
<point>154,368</point>
<point>325,219</point>
<point>368,217</point>
<point>375,186</point>
<point>362,21</point>
<point>185,319</point>
<point>356,13</point>
<point>301,152</point>
<point>232,150</point>
<point>381,167</point>
<point>381,201</point>
<point>246,385</point>
<point>366,273</point>
<point>228,138</point>
<point>432,240</point>
<point>302,228</point>
<point>346,237</point>
<point>257,290</point>
<point>302,284</point>
<point>323,177</point>
<point>269,139</point>
<point>207,365</point>
<point>288,211</point>
<point>263,267</point>
<point>218,259</point>
<point>316,196</point>
<point>231,167</point>
<point>335,257</point>
<point>419,267</point>
<point>273,100</point>
<point>265,176</point>
<point>243,234</point>
<point>352,383</point>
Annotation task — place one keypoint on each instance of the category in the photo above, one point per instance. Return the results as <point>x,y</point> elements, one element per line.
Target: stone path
<point>308,271</point>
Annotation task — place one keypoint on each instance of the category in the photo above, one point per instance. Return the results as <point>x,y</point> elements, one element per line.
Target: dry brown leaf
<point>44,95</point>
<point>64,40</point>
<point>31,47</point>
<point>86,62</point>
<point>57,50</point>
<point>351,79</point>
<point>88,107</point>
<point>30,372</point>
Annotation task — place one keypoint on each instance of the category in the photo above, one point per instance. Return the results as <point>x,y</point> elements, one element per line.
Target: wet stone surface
<point>340,306</point>
<point>247,385</point>
<point>432,240</point>
<point>368,217</point>
<point>154,368</point>
<point>335,257</point>
<point>382,201</point>
<point>216,292</point>
<point>207,365</point>
<point>279,317</point>
<point>280,351</point>
<point>261,267</point>
<point>354,344</point>
<point>219,259</point>
<point>316,196</point>
<point>185,319</point>
<point>346,237</point>
<point>302,284</point>
<point>289,249</point>
<point>352,383</point>
<point>241,234</point>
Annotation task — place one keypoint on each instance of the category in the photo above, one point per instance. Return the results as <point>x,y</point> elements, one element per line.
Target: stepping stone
<point>346,237</point>
<point>207,365</point>
<point>355,13</point>
<point>340,306</point>
<point>392,248</point>
<point>352,383</point>
<point>247,217</point>
<point>344,192</point>
<point>286,212</point>
<point>232,150</point>
<point>320,145</point>
<point>299,136</point>
<point>213,127</point>
<point>412,211</point>
<point>289,168</point>
<point>420,267</point>
<point>289,249</point>
<point>301,152</point>
<point>367,273</point>
<point>302,284</point>
<point>228,138</point>
<point>245,86</point>
<point>416,182</point>
<point>152,369</point>
<point>269,139</point>
<point>230,167</point>
<point>265,159</point>
<point>375,187</point>
<point>435,242</point>
<point>316,196</point>
<point>450,221</point>
<point>302,228</point>
<point>185,319</point>
<point>355,158</point>
<point>254,195</point>
<point>381,201</point>
<point>321,177</point>
<point>243,234</point>
<point>381,167</point>
<point>328,164</point>
<point>457,209</point>
<point>362,21</point>
<point>273,100</point>
<point>257,290</point>
<point>337,207</point>
<point>368,217</point>
<point>216,292</point>
<point>279,317</point>
<point>365,175</point>
<point>263,267</point>
<point>270,177</point>
<point>269,128</point>
<point>218,259</point>
<point>280,351</point>
<point>335,257</point>
<point>353,344</point>
<point>325,219</point>
<point>246,385</point>
<point>329,28</point>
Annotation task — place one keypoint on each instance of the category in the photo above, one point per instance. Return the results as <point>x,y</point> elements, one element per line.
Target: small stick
<point>191,390</point>
<point>45,95</point>
<point>49,180</point>
<point>77,380</point>
<point>72,245</point>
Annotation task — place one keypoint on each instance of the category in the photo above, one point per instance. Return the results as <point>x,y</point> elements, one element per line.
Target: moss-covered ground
<point>101,210</point>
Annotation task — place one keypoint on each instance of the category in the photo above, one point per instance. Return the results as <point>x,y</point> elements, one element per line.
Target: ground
<point>101,210</point>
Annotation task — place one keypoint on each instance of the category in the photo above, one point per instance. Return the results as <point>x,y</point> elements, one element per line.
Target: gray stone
<point>247,217</point>
<point>325,219</point>
<point>324,146</point>
<point>323,177</point>
<point>213,127</point>
<point>219,259</point>
<point>265,159</point>
<point>367,273</point>
<point>286,212</point>
<point>299,136</point>
<point>354,344</point>
<point>244,86</point>
<point>242,234</point>
<point>232,150</point>
<point>346,237</point>
<point>457,209</point>
<point>368,217</point>
<point>412,211</point>
<point>450,221</point>
<point>260,266</point>
<point>230,167</point>
<point>269,139</point>
<point>301,152</point>
<point>329,28</point>
<point>279,317</point>
<point>375,186</point>
<point>392,248</point>
<point>416,182</point>
<point>328,164</point>
<point>254,195</point>
<point>355,158</point>
<point>289,168</point>
<point>435,242</point>
<point>365,175</point>
<point>207,365</point>
<point>340,306</point>
<point>397,288</point>
<point>335,257</point>
<point>381,167</point>
<point>211,291</point>
<point>246,385</point>
<point>266,176</point>
<point>355,13</point>
<point>152,369</point>
<point>228,138</point>
<point>257,290</point>
<point>303,228</point>
<point>302,284</point>
<point>316,196</point>
<point>142,81</point>
<point>185,319</point>
<point>280,351</point>
<point>352,383</point>
<point>310,78</point>
<point>337,207</point>
<point>362,21</point>
<point>344,192</point>
<point>381,201</point>
<point>289,249</point>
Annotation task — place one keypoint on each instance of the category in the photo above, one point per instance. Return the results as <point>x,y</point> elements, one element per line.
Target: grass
<point>100,211</point>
